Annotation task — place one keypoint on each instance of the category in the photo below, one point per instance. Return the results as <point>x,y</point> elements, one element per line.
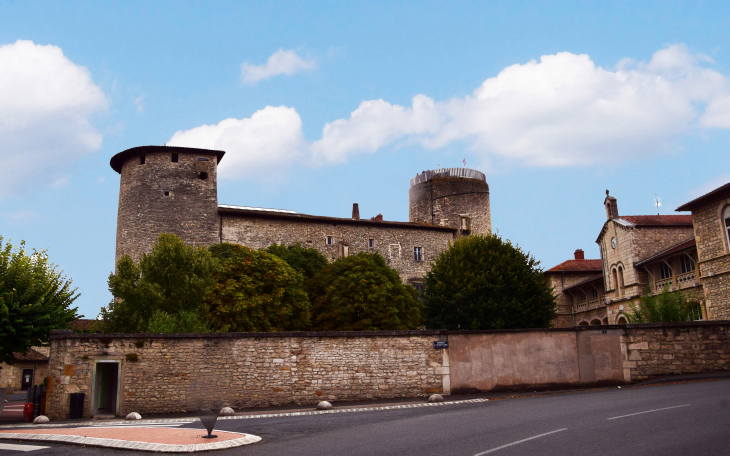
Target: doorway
<point>27,379</point>
<point>106,386</point>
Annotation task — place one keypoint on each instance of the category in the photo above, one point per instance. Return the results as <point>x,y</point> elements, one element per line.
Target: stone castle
<point>175,190</point>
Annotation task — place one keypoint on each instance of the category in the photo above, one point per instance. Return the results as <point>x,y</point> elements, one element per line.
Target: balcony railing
<point>660,284</point>
<point>582,305</point>
<point>593,302</point>
<point>603,300</point>
<point>687,278</point>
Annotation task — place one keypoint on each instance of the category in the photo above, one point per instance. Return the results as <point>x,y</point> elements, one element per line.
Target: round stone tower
<point>456,197</point>
<point>166,190</point>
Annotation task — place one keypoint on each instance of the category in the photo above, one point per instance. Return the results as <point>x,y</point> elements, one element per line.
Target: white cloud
<point>560,111</point>
<point>21,216</point>
<point>139,103</point>
<point>270,141</point>
<point>280,62</point>
<point>46,102</point>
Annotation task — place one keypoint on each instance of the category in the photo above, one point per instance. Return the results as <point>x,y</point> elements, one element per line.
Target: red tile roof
<point>674,249</point>
<point>703,198</point>
<point>658,220</point>
<point>32,355</point>
<point>577,266</point>
<point>81,324</point>
<point>585,281</point>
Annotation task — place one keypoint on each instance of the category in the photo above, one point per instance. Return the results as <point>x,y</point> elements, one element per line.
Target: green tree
<point>256,291</point>
<point>173,278</point>
<point>483,282</point>
<point>306,260</point>
<point>362,293</point>
<point>665,307</point>
<point>35,298</point>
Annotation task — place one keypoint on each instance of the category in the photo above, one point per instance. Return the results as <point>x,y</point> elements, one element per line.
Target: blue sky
<point>331,104</point>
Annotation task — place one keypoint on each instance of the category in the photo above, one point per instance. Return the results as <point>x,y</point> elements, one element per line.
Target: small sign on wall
<point>440,344</point>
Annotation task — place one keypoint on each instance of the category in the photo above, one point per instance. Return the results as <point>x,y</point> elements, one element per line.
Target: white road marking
<point>10,446</point>
<point>519,441</point>
<point>649,411</point>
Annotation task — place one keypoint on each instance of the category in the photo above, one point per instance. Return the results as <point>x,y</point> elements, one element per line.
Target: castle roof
<point>465,173</point>
<point>673,249</point>
<point>118,160</point>
<point>658,220</point>
<point>577,266</point>
<point>702,199</point>
<point>291,215</point>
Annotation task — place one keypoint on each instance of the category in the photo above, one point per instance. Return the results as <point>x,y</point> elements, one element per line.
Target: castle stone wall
<point>442,200</point>
<point>395,243</point>
<point>189,209</point>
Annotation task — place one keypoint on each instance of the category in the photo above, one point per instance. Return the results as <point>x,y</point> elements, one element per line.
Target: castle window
<point>419,286</point>
<point>686,264</point>
<point>175,158</point>
<point>594,292</point>
<point>417,254</point>
<point>202,159</point>
<point>202,175</point>
<point>615,281</point>
<point>582,296</point>
<point>371,243</point>
<point>665,271</point>
<point>167,193</point>
<point>141,159</point>
<point>330,240</point>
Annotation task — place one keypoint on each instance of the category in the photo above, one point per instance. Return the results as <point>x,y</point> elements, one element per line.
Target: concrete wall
<point>534,359</point>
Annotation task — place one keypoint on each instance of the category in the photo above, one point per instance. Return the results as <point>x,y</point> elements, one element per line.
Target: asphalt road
<point>679,419</point>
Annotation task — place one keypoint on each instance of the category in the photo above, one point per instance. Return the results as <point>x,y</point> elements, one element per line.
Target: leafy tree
<point>183,322</point>
<point>483,282</point>
<point>174,278</point>
<point>665,307</point>
<point>34,299</point>
<point>306,260</point>
<point>362,293</point>
<point>256,291</point>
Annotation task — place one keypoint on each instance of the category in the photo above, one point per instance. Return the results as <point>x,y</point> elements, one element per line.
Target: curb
<point>247,439</point>
<point>241,417</point>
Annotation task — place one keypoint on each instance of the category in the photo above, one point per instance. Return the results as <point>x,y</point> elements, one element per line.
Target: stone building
<point>29,369</point>
<point>174,190</point>
<point>711,222</point>
<point>641,253</point>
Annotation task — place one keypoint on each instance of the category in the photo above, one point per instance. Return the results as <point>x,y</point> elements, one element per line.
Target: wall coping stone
<point>57,334</point>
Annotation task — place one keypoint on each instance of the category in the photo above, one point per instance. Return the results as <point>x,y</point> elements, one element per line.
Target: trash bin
<point>76,410</point>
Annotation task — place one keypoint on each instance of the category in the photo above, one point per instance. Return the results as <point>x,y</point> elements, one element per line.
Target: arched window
<point>595,322</point>
<point>615,282</point>
<point>726,217</point>
<point>621,280</point>
<point>621,321</point>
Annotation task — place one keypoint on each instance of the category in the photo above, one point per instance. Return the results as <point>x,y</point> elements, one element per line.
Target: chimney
<point>579,255</point>
<point>377,217</point>
<point>611,206</point>
<point>355,211</point>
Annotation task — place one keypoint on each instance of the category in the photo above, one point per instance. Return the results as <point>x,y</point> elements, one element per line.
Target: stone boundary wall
<point>168,373</point>
<point>675,348</point>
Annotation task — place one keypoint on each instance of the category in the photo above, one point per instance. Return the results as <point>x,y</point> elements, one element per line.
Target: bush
<point>665,307</point>
<point>482,282</point>
<point>172,279</point>
<point>256,291</point>
<point>362,293</point>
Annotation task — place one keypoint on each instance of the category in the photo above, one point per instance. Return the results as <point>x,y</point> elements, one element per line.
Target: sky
<point>320,105</point>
